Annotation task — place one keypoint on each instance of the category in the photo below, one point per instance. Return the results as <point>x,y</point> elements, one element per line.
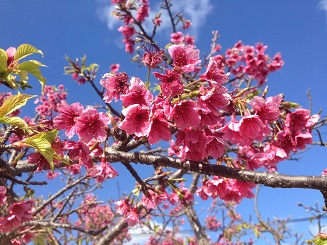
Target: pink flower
<point>123,206</point>
<point>185,114</point>
<point>136,121</point>
<point>78,151</point>
<point>170,84</point>
<point>189,40</point>
<point>252,127</point>
<point>114,68</point>
<point>267,109</point>
<point>214,147</point>
<point>18,213</point>
<point>67,117</point>
<point>192,142</point>
<point>118,1</point>
<point>273,154</point>
<point>3,197</point>
<point>212,223</point>
<point>143,11</point>
<point>102,172</point>
<point>157,21</point>
<point>11,56</point>
<point>201,191</point>
<point>186,196</point>
<point>176,37</point>
<point>39,160</point>
<point>137,94</point>
<point>152,58</point>
<point>300,120</point>
<point>131,217</point>
<point>301,140</point>
<point>22,209</point>
<point>231,132</point>
<point>115,85</point>
<point>129,45</point>
<point>51,175</point>
<point>184,57</point>
<point>215,72</point>
<point>153,199</point>
<point>127,31</point>
<point>159,128</point>
<point>213,99</point>
<point>91,125</point>
<point>9,222</point>
<point>186,24</point>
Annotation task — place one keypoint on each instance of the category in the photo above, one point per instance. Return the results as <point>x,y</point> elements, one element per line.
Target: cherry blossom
<point>102,171</point>
<point>176,37</point>
<point>170,83</point>
<point>184,57</point>
<point>91,124</point>
<point>67,117</point>
<point>137,94</point>
<point>185,114</point>
<point>137,120</point>
<point>215,72</point>
<point>115,85</point>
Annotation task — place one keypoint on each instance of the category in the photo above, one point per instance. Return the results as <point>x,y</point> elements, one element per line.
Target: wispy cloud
<point>194,10</point>
<point>323,6</point>
<point>141,234</point>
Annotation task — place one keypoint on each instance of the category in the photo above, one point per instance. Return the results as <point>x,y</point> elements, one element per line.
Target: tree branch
<point>271,179</point>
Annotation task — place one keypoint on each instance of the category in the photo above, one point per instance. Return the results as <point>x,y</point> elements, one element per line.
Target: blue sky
<point>297,29</point>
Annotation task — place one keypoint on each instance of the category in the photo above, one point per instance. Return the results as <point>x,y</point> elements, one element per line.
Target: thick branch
<point>265,178</point>
<point>193,218</point>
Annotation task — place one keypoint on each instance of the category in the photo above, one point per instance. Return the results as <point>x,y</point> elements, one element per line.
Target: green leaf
<point>32,67</point>
<point>91,67</point>
<point>15,121</point>
<point>42,143</point>
<point>136,191</point>
<point>26,50</point>
<point>320,241</point>
<point>3,60</point>
<point>39,240</point>
<point>13,103</point>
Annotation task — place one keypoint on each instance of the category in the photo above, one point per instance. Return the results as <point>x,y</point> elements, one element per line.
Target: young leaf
<point>13,103</point>
<point>3,60</point>
<point>26,50</point>
<point>32,67</point>
<point>15,121</point>
<point>320,241</point>
<point>42,143</point>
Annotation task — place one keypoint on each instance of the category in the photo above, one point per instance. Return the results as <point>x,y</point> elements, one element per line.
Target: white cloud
<point>323,6</point>
<point>105,15</point>
<point>141,234</point>
<point>314,229</point>
<point>194,10</point>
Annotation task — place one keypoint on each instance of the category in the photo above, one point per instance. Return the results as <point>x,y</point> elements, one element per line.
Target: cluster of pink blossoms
<point>128,30</point>
<point>50,100</point>
<point>92,215</point>
<point>17,213</point>
<point>151,199</point>
<point>90,127</point>
<point>251,61</point>
<point>225,189</point>
<point>201,130</point>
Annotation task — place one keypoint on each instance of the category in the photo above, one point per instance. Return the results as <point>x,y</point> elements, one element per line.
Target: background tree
<point>204,127</point>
